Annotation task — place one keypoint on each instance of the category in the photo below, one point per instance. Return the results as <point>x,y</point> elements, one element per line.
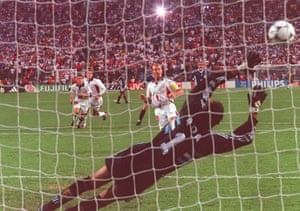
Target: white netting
<point>44,43</point>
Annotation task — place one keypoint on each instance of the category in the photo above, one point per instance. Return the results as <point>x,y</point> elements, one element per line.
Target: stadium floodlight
<point>161,11</point>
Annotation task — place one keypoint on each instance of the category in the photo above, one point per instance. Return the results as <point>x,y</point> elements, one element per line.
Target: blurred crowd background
<point>47,42</point>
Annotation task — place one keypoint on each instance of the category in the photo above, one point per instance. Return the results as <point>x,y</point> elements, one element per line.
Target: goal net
<point>45,43</point>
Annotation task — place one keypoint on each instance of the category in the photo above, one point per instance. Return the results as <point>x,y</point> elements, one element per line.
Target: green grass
<point>40,154</point>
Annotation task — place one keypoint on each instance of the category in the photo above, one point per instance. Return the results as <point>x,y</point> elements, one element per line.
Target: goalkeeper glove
<point>256,99</point>
<point>252,60</point>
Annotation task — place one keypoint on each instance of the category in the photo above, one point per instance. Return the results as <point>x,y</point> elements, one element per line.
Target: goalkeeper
<point>142,165</point>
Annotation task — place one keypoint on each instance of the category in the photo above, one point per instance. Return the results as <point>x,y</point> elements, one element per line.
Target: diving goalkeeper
<point>142,165</point>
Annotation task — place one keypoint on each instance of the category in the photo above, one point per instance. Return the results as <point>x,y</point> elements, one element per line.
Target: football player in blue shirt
<point>122,88</point>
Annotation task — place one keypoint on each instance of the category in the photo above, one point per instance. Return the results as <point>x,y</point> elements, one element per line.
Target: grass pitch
<point>40,154</point>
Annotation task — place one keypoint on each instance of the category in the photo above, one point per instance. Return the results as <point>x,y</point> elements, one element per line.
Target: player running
<point>96,99</point>
<point>142,165</point>
<point>196,77</point>
<point>80,94</point>
<point>160,95</point>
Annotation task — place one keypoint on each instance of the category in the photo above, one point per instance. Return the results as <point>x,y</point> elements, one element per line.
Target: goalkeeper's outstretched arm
<point>217,143</point>
<point>215,78</point>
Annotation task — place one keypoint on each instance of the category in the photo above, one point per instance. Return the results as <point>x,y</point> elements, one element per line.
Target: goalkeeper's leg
<point>105,198</point>
<point>99,178</point>
<point>70,193</point>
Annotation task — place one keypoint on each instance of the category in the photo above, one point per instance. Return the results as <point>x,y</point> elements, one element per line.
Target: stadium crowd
<point>46,42</point>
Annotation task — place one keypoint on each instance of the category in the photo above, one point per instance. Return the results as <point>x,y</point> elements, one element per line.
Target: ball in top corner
<point>282,31</point>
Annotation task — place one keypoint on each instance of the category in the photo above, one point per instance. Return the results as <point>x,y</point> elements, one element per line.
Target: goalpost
<point>45,43</point>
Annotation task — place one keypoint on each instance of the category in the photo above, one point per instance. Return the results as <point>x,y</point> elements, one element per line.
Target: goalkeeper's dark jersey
<point>141,165</point>
<point>198,76</point>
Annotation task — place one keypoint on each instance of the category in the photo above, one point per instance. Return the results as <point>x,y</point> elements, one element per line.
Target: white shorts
<point>164,113</point>
<point>96,104</point>
<point>83,105</point>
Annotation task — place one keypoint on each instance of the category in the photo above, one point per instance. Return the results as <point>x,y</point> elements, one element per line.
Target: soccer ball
<point>282,31</point>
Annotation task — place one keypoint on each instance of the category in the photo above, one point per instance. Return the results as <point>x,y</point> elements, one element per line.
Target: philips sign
<point>263,83</point>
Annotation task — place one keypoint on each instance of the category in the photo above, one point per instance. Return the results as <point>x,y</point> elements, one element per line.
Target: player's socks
<point>125,98</point>
<point>118,100</point>
<point>103,115</point>
<point>141,116</point>
<point>172,124</point>
<point>96,113</point>
<point>79,122</point>
<point>74,119</point>
<point>84,122</point>
<point>82,126</point>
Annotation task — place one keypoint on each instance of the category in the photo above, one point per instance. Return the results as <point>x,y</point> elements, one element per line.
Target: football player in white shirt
<point>96,99</point>
<point>79,97</point>
<point>160,94</point>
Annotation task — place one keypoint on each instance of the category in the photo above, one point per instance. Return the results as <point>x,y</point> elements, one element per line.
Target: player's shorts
<point>122,89</point>
<point>133,169</point>
<point>96,104</point>
<point>83,105</point>
<point>164,113</point>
